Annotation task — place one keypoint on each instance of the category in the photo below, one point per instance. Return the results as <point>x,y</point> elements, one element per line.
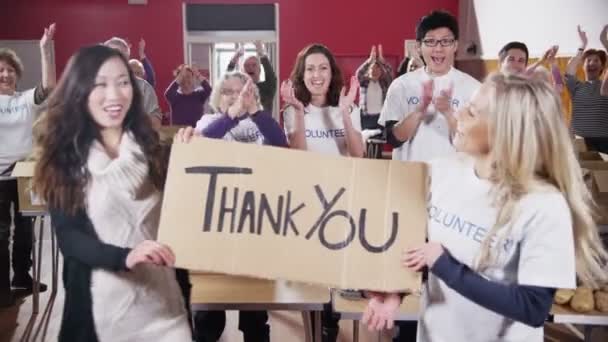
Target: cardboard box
<point>592,160</point>
<point>595,174</point>
<point>579,144</point>
<point>598,182</point>
<point>276,213</point>
<point>28,201</point>
<point>589,156</point>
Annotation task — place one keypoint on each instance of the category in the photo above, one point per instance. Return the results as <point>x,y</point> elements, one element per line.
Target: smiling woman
<point>589,105</point>
<point>518,186</point>
<point>322,117</point>
<point>18,110</point>
<point>317,101</point>
<point>109,101</point>
<point>101,171</point>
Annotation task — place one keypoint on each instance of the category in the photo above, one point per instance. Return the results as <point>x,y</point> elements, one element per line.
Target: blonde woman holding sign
<point>509,222</point>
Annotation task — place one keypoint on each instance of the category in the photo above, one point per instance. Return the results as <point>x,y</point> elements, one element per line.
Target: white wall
<point>538,23</point>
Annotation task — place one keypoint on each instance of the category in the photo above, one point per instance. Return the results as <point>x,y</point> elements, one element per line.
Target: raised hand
<point>244,102</point>
<point>250,103</point>
<point>347,100</point>
<point>380,53</point>
<point>259,48</point>
<point>142,48</point>
<point>583,37</point>
<point>289,97</point>
<point>47,38</point>
<point>443,103</point>
<point>179,73</point>
<point>549,55</point>
<point>372,54</point>
<point>197,74</point>
<point>427,96</point>
<point>238,53</point>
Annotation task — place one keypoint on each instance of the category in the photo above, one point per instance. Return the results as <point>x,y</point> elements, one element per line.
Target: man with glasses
<point>420,107</point>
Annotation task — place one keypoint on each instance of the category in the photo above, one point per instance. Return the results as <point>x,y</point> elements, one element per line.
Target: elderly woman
<point>18,110</point>
<point>238,117</point>
<point>187,95</point>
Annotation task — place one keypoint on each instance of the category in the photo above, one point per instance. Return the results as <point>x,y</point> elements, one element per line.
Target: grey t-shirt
<point>149,98</point>
<point>17,115</point>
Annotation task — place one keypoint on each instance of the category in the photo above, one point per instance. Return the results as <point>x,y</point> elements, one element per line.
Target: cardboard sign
<point>277,213</point>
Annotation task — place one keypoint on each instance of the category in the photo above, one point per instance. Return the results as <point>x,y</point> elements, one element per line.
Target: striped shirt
<point>589,108</point>
<point>384,82</point>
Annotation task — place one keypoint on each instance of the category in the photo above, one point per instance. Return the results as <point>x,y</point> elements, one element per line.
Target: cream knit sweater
<point>144,304</point>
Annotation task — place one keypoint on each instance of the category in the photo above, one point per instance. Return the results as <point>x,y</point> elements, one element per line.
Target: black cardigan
<point>82,251</point>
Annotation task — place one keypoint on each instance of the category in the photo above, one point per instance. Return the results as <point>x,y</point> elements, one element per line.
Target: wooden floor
<point>285,326</point>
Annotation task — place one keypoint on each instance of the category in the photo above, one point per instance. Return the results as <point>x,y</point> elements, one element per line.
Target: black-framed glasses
<point>445,42</point>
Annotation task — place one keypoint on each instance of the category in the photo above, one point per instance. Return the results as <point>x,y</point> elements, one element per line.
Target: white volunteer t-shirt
<point>17,115</point>
<point>539,251</point>
<point>324,128</point>
<point>374,97</point>
<point>432,139</point>
<point>245,131</point>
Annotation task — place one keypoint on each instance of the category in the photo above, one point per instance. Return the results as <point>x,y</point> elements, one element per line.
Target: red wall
<point>347,27</point>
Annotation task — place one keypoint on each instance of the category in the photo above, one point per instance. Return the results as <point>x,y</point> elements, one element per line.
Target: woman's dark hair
<point>297,75</point>
<point>403,66</point>
<point>65,132</point>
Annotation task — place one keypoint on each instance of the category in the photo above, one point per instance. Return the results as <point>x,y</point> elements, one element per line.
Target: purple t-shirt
<point>187,109</point>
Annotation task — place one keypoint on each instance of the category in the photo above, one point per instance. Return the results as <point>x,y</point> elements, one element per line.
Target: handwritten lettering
<point>250,212</point>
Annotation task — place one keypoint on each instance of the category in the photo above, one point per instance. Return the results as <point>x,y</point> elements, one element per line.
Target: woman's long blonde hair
<point>531,145</point>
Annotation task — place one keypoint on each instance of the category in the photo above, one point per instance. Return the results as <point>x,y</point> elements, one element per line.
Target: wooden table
<point>31,332</point>
<point>353,309</point>
<point>31,207</point>
<point>223,292</point>
<point>562,314</point>
<point>374,146</point>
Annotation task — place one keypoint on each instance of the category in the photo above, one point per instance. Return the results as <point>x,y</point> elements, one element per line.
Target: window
<point>224,53</point>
